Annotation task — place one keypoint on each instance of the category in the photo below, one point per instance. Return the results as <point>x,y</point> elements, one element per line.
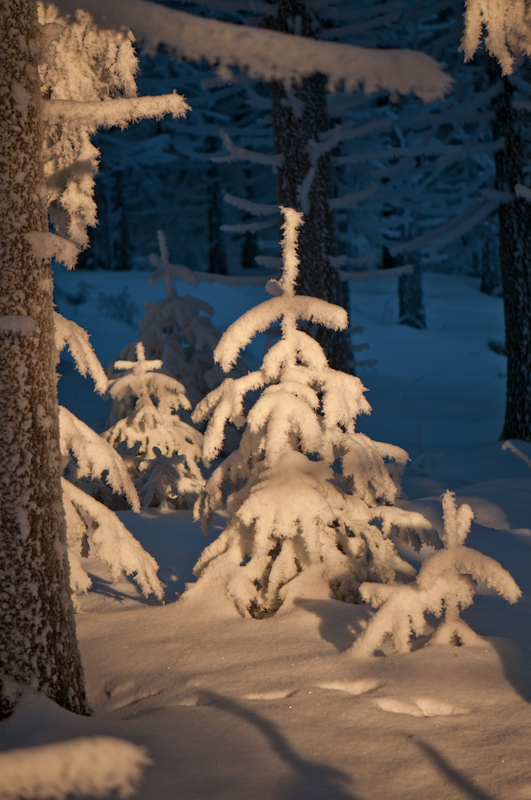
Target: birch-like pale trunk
<point>38,646</point>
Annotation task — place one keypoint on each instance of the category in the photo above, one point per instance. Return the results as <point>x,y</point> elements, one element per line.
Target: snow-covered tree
<point>146,409</point>
<point>310,500</point>
<point>444,586</point>
<point>178,330</point>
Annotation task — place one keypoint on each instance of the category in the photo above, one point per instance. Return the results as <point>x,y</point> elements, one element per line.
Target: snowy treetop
<point>269,55</point>
<point>286,306</point>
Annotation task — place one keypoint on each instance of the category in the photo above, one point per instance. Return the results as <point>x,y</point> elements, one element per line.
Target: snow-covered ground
<point>279,709</point>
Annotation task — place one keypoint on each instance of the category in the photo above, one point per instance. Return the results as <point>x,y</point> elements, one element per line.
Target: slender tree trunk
<point>299,115</point>
<point>515,254</point>
<point>38,646</point>
<point>411,295</point>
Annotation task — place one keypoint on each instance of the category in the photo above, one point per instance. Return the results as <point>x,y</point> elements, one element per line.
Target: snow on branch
<point>46,246</point>
<point>70,333</point>
<point>270,55</point>
<point>95,766</point>
<point>117,112</point>
<point>236,153</point>
<point>258,209</point>
<point>109,540</point>
<point>506,25</point>
<point>94,456</point>
<point>518,453</point>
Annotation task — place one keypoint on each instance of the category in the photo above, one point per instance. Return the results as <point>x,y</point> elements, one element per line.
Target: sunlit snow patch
<point>280,694</point>
<point>423,707</point>
<point>352,687</point>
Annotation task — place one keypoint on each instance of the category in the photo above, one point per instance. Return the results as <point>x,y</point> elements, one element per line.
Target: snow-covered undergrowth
<point>279,708</point>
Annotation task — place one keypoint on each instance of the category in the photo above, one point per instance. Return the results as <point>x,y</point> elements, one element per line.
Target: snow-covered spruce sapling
<point>178,330</point>
<point>309,500</point>
<point>91,463</point>
<point>445,585</point>
<point>146,406</point>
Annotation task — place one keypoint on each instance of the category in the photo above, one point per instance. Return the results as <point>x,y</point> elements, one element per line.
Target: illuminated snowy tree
<point>148,404</point>
<point>445,585</point>
<point>310,500</point>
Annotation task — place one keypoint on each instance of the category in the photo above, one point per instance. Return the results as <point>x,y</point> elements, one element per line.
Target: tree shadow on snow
<point>340,623</point>
<point>310,780</point>
<point>453,775</point>
<point>106,588</point>
<point>516,662</point>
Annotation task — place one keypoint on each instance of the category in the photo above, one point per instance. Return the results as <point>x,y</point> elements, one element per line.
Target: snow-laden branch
<point>110,541</point>
<point>95,456</point>
<point>270,55</point>
<point>118,112</point>
<point>68,332</point>
<point>507,25</point>
<point>236,153</point>
<point>258,209</point>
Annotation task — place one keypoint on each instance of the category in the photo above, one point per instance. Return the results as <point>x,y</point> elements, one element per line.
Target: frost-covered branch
<point>118,112</point>
<point>506,25</point>
<point>70,333</point>
<point>109,540</point>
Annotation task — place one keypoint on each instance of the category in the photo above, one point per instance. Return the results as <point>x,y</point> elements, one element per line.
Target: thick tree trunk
<point>515,255</point>
<point>299,115</point>
<point>38,646</point>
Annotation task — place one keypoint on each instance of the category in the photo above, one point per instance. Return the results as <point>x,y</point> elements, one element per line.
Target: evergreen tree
<point>310,501</point>
<point>445,585</point>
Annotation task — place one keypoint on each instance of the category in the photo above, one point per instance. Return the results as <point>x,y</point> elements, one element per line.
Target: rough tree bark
<point>38,646</point>
<point>515,253</point>
<point>299,115</point>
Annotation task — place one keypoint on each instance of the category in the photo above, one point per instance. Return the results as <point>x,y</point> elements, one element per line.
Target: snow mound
<point>93,766</point>
<point>422,707</point>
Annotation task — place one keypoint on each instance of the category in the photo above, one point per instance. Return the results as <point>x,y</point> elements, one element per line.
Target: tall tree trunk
<point>515,254</point>
<point>38,646</point>
<point>299,115</point>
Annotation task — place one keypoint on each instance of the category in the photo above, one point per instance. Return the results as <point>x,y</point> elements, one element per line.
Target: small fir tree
<point>178,330</point>
<point>445,585</point>
<point>93,470</point>
<point>310,500</point>
<point>152,401</point>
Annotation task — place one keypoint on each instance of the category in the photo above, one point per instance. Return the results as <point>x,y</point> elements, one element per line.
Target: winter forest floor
<point>278,709</point>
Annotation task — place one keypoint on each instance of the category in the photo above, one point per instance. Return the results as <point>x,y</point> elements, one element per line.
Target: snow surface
<point>280,709</point>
